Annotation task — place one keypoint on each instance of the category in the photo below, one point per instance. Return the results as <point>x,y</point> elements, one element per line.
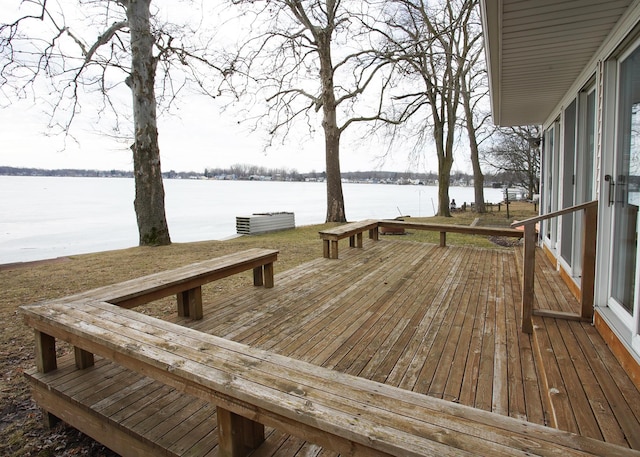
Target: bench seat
<point>353,230</point>
<point>185,282</point>
<point>253,387</point>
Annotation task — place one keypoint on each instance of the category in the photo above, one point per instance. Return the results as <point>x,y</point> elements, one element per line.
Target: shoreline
<point>32,263</point>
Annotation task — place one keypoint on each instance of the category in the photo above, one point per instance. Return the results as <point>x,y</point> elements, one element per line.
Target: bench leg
<point>373,234</point>
<point>45,352</point>
<point>325,249</point>
<point>237,435</point>
<point>268,275</point>
<point>49,420</point>
<point>84,359</point>
<point>46,362</point>
<point>352,241</point>
<point>190,303</point>
<point>334,249</point>
<point>359,240</point>
<point>443,239</point>
<point>258,277</point>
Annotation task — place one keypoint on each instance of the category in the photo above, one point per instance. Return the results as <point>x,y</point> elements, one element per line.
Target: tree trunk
<point>478,182</point>
<point>149,200</point>
<point>335,198</point>
<point>445,162</point>
<point>478,177</point>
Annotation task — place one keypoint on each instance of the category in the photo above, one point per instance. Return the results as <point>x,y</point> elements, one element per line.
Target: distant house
<point>574,68</point>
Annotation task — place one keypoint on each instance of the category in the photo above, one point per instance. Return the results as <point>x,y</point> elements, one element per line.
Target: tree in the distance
<point>515,151</point>
<point>309,57</point>
<point>64,53</point>
<point>431,42</point>
<point>475,91</point>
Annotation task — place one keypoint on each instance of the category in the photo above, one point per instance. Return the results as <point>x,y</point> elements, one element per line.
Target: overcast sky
<point>197,136</point>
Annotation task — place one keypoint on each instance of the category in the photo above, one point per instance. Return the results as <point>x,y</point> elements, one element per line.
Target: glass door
<point>622,190</point>
<point>568,182</point>
<point>550,183</point>
<point>584,175</point>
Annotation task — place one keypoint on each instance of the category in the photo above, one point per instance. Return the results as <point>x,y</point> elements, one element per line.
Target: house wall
<point>601,74</point>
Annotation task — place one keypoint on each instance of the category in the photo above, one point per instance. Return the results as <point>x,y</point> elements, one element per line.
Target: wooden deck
<point>438,321</point>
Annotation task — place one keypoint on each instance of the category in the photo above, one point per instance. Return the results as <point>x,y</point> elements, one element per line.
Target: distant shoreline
<point>253,173</point>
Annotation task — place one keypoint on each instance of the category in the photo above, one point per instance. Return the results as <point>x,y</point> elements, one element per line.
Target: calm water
<point>43,218</point>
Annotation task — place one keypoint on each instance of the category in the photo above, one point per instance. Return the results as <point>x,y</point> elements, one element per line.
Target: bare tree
<point>95,46</point>
<point>431,42</point>
<point>516,152</point>
<point>475,91</point>
<point>310,56</point>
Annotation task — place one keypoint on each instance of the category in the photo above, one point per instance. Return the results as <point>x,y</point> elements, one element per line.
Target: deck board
<point>440,321</point>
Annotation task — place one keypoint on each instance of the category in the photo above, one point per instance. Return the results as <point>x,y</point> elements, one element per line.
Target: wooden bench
<point>445,228</point>
<point>185,282</point>
<point>353,230</point>
<point>252,388</point>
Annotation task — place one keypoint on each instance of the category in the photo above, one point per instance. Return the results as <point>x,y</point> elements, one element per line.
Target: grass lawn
<point>21,433</point>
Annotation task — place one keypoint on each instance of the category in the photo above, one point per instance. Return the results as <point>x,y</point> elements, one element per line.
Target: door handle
<point>612,186</point>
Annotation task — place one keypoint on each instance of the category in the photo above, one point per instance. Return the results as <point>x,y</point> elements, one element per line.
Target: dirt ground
<point>22,432</point>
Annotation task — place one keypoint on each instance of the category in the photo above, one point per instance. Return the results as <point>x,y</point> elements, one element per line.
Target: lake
<point>48,217</point>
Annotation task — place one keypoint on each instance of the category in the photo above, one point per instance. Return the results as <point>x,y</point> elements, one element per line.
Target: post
<point>237,436</point>
<point>83,358</point>
<point>359,240</point>
<point>268,275</point>
<point>589,230</point>
<point>45,352</point>
<point>443,239</point>
<point>334,249</point>
<point>190,303</point>
<point>528,277</point>
<point>46,362</point>
<point>258,277</point>
<point>325,249</point>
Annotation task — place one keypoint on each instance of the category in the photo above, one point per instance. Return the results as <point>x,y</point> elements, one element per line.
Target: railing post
<point>529,264</point>
<point>587,284</point>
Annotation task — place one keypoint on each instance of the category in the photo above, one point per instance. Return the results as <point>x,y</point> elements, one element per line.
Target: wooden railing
<point>589,228</point>
<point>449,228</point>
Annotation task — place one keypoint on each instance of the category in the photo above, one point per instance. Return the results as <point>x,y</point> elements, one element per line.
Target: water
<point>47,217</point>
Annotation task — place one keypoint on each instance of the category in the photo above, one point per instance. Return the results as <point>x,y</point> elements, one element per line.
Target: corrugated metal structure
<point>264,222</point>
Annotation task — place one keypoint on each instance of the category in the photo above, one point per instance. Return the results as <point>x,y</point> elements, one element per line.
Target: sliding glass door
<point>622,194</point>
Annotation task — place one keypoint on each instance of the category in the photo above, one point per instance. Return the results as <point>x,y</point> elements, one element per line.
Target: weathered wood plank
<point>622,396</point>
<point>555,391</point>
<point>518,347</point>
<point>562,340</point>
<point>484,392</point>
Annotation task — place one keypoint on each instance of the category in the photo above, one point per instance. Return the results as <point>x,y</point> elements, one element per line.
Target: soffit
<point>536,49</point>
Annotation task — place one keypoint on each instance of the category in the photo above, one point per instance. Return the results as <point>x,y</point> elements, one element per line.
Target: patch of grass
<point>21,433</point>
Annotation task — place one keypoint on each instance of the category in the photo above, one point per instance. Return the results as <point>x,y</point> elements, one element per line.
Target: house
<point>574,68</point>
